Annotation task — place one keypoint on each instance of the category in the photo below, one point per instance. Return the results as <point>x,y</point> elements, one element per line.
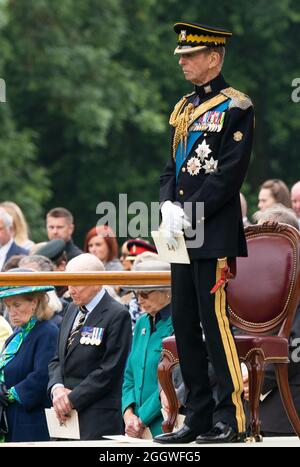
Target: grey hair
<point>42,262</point>
<point>277,213</point>
<point>220,50</point>
<point>6,218</point>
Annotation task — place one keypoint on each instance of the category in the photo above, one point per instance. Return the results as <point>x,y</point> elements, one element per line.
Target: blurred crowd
<point>60,346</point>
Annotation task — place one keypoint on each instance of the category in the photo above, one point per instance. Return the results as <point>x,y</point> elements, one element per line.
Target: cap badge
<point>182,36</point>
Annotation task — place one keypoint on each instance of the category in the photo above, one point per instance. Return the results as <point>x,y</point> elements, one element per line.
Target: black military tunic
<point>212,172</point>
<point>219,190</point>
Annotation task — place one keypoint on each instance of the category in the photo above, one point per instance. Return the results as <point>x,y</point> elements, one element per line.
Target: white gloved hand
<point>174,218</point>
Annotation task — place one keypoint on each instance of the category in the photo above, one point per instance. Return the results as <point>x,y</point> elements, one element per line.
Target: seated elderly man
<point>86,373</point>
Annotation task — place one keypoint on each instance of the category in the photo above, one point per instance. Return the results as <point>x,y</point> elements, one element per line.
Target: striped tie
<point>82,315</point>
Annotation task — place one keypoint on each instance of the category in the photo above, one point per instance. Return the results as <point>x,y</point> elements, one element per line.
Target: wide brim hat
<point>11,290</point>
<point>149,262</point>
<point>193,37</point>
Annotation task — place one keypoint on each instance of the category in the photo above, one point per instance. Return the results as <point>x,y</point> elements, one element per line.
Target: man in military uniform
<point>212,131</point>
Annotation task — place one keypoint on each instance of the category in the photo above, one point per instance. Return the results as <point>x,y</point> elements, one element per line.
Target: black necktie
<point>82,315</point>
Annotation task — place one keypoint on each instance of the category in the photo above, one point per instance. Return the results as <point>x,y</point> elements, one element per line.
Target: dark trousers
<point>195,310</point>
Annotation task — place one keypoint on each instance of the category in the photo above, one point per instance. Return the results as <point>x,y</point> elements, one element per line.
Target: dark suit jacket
<point>28,373</point>
<point>72,250</point>
<point>15,250</point>
<point>219,191</point>
<point>95,373</point>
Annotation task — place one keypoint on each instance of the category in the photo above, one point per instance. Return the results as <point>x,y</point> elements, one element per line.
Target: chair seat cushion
<point>273,348</point>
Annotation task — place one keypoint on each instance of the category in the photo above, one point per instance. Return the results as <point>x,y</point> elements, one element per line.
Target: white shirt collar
<point>96,300</point>
<point>3,252</point>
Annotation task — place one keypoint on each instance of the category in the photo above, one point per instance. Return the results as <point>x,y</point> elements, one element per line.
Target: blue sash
<point>192,138</point>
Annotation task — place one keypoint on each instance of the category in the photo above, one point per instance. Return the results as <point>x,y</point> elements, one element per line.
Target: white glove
<point>174,218</point>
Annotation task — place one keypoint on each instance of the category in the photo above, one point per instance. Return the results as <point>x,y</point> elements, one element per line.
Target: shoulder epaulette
<point>238,98</point>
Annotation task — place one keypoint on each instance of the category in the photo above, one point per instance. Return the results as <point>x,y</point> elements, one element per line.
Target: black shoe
<point>184,435</point>
<point>221,433</point>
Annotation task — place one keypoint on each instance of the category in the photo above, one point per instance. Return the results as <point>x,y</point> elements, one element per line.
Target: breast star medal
<point>193,166</point>
<point>203,150</point>
<point>210,166</point>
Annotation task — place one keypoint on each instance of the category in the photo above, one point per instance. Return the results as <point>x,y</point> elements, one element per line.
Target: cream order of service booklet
<point>67,430</point>
<point>178,255</point>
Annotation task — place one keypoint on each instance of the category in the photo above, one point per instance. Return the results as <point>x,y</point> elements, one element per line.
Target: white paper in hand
<point>178,255</point>
<point>68,430</point>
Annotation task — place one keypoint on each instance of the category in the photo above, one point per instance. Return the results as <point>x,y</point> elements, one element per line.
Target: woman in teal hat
<point>24,362</point>
<point>141,405</point>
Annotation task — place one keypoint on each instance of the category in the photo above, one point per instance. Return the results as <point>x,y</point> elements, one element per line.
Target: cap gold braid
<point>201,38</point>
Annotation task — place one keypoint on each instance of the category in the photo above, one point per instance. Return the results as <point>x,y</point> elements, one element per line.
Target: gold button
<point>181,192</point>
<point>183,169</point>
<point>205,134</point>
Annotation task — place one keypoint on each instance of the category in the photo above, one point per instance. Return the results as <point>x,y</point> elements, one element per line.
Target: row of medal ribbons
<point>210,121</point>
<point>91,336</point>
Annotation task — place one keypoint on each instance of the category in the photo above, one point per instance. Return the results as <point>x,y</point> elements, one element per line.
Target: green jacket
<point>140,387</point>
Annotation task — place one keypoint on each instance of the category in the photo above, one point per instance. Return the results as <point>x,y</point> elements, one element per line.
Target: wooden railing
<point>86,278</point>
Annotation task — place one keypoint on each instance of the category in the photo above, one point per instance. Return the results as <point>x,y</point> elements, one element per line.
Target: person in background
<point>140,394</point>
<point>86,374</point>
<point>55,250</point>
<point>20,226</point>
<point>101,241</point>
<point>277,213</point>
<point>41,263</point>
<point>246,221</point>
<point>295,199</point>
<point>127,265</point>
<point>272,192</point>
<point>5,331</point>
<point>12,262</point>
<point>60,224</point>
<point>136,246</point>
<point>24,361</point>
<point>8,246</point>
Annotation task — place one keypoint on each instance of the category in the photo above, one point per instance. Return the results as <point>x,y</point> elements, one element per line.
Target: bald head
<point>85,263</point>
<point>295,198</point>
<point>83,294</point>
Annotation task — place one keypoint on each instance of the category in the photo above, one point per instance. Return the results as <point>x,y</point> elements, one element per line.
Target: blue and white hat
<point>11,290</point>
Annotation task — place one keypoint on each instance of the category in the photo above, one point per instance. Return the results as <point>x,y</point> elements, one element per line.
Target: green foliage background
<point>90,85</point>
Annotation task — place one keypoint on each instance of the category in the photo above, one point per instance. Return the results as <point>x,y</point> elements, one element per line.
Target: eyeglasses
<point>143,293</point>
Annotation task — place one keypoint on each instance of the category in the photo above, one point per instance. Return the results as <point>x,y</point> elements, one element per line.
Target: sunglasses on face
<point>143,293</point>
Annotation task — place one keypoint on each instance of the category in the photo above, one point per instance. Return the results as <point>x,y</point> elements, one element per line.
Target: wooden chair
<point>262,301</point>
